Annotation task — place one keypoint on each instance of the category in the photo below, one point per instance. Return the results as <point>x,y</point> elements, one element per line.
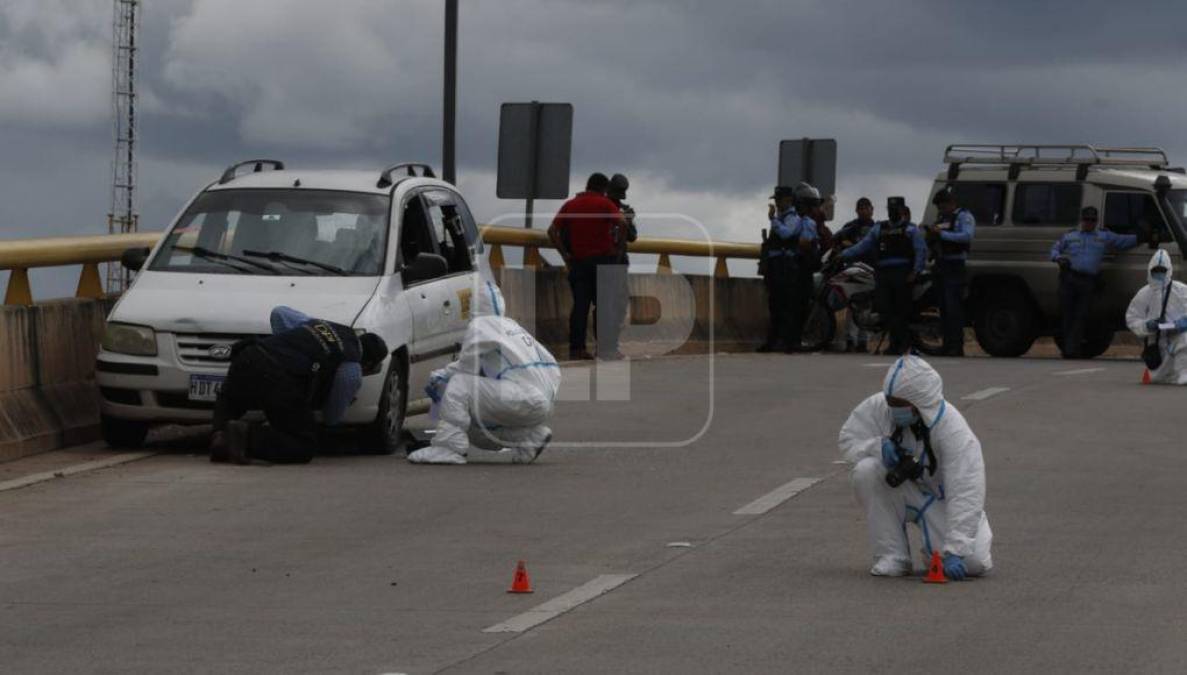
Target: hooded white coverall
<point>947,506</point>
<point>1147,304</point>
<point>498,394</point>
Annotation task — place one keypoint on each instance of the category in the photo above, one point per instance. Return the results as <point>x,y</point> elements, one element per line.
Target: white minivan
<point>392,252</point>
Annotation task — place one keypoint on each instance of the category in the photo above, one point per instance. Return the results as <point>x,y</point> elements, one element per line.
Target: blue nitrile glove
<point>1181,324</point>
<point>889,453</point>
<point>954,567</point>
<point>431,392</point>
<point>1152,325</point>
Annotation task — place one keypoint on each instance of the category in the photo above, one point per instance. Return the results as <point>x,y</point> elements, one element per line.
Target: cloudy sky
<point>688,97</point>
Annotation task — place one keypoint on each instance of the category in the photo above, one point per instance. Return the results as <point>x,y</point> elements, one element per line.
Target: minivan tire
<point>386,434</point>
<point>119,433</point>
<point>1006,324</point>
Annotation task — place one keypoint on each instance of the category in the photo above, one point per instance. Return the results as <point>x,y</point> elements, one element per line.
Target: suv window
<point>1132,212</point>
<point>415,237</point>
<point>449,231</point>
<point>986,201</point>
<point>318,232</point>
<point>1050,204</point>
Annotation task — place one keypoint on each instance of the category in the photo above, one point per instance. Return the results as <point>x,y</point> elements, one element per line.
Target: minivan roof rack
<point>1080,156</point>
<point>229,174</point>
<point>385,178</point>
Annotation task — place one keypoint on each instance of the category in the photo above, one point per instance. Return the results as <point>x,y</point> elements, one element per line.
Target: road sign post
<point>810,160</point>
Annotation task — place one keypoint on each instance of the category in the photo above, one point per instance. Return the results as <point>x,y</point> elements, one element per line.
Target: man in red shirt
<point>585,232</point>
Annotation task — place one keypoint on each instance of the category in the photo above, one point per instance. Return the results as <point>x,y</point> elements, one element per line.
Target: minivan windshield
<point>285,231</point>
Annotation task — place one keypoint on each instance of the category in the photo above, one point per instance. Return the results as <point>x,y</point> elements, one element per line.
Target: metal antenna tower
<point>123,217</point>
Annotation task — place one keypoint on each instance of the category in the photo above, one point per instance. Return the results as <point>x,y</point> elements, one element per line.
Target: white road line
<point>560,604</point>
<point>776,497</point>
<point>1081,371</point>
<point>985,393</point>
<point>878,365</point>
<point>31,479</point>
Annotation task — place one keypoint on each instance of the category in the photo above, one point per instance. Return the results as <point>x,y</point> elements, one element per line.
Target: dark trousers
<point>892,294</point>
<point>789,290</point>
<point>257,382</point>
<point>1076,293</point>
<point>583,282</point>
<point>950,276</point>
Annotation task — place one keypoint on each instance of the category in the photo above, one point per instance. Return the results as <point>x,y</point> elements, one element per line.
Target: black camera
<point>908,468</point>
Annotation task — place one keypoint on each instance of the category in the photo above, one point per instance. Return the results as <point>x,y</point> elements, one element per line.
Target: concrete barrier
<point>48,397</point>
<point>726,313</point>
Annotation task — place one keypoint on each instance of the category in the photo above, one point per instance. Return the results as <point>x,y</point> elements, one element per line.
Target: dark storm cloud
<point>693,93</point>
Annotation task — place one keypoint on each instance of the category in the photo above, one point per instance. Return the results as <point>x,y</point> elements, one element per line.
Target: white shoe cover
<point>891,567</point>
<point>435,454</point>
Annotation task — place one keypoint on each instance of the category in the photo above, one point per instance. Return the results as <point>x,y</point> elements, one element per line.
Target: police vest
<point>313,351</point>
<point>894,241</point>
<point>948,224</point>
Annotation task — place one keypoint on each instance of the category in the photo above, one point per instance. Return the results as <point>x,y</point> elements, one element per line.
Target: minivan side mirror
<point>425,266</point>
<point>134,258</point>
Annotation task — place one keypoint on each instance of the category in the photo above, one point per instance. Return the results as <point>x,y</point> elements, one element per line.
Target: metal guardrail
<point>21,255</point>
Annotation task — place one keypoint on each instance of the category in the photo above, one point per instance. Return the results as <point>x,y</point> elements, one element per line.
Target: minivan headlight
<point>124,338</point>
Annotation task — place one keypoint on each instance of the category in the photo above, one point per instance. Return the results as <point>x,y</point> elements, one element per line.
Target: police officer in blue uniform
<point>785,251</point>
<point>952,238</point>
<point>1079,254</point>
<point>306,365</point>
<point>901,253</point>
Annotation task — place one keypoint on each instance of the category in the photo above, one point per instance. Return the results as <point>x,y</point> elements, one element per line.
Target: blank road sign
<point>535,140</point>
<point>812,160</point>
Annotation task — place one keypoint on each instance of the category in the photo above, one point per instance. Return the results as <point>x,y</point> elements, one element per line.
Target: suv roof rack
<point>229,174</point>
<point>385,178</point>
<point>1079,156</point>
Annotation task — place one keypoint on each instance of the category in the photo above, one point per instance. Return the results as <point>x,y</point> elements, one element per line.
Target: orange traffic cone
<point>521,584</point>
<point>935,571</point>
<point>1146,376</point>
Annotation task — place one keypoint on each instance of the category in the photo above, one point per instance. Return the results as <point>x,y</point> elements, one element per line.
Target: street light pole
<point>449,121</point>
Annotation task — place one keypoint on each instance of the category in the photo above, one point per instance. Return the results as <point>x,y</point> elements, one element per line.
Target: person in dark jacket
<point>305,365</point>
<point>856,339</point>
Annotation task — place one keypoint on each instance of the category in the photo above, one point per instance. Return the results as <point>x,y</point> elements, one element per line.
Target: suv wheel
<point>1006,324</point>
<point>386,434</point>
<point>122,433</point>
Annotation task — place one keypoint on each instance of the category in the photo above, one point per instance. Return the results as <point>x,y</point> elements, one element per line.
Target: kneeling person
<point>498,394</point>
<point>917,461</point>
<point>305,365</point>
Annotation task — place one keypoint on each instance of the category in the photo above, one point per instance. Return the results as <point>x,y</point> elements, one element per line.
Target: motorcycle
<point>850,285</point>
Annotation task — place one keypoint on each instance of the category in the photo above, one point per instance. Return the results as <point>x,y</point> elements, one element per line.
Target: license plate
<point>205,387</point>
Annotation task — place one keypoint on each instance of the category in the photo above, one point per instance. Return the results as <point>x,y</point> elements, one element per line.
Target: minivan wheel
<point>1006,325</point>
<point>386,434</point>
<point>122,433</point>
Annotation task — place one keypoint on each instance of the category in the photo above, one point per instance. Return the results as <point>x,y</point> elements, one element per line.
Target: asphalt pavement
<point>692,517</point>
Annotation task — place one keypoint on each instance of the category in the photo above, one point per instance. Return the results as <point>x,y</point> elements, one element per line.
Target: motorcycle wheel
<point>819,329</point>
<point>927,332</point>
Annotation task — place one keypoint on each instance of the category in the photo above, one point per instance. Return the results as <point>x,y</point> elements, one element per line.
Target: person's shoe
<point>954,351</point>
<point>891,567</point>
<point>435,454</point>
<point>850,347</point>
<point>861,348</point>
<point>237,442</point>
<point>529,455</point>
<point>766,348</point>
<point>580,355</point>
<point>218,447</point>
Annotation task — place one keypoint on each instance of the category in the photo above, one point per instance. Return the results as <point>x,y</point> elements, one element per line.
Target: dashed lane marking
<point>776,497</point>
<point>1080,371</point>
<point>985,393</point>
<point>560,604</point>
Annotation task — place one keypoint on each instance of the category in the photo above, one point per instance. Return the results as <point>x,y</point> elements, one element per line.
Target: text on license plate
<point>205,387</point>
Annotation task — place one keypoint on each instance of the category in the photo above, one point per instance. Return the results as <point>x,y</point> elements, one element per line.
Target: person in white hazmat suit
<point>946,499</point>
<point>499,393</point>
<point>1145,315</point>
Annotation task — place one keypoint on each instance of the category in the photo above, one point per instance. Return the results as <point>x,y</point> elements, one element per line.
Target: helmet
<point>805,191</point>
<point>619,182</point>
<point>944,196</point>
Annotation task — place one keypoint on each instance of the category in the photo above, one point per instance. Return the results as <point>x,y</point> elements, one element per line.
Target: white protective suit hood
<point>1160,259</point>
<point>913,379</point>
<point>490,301</point>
